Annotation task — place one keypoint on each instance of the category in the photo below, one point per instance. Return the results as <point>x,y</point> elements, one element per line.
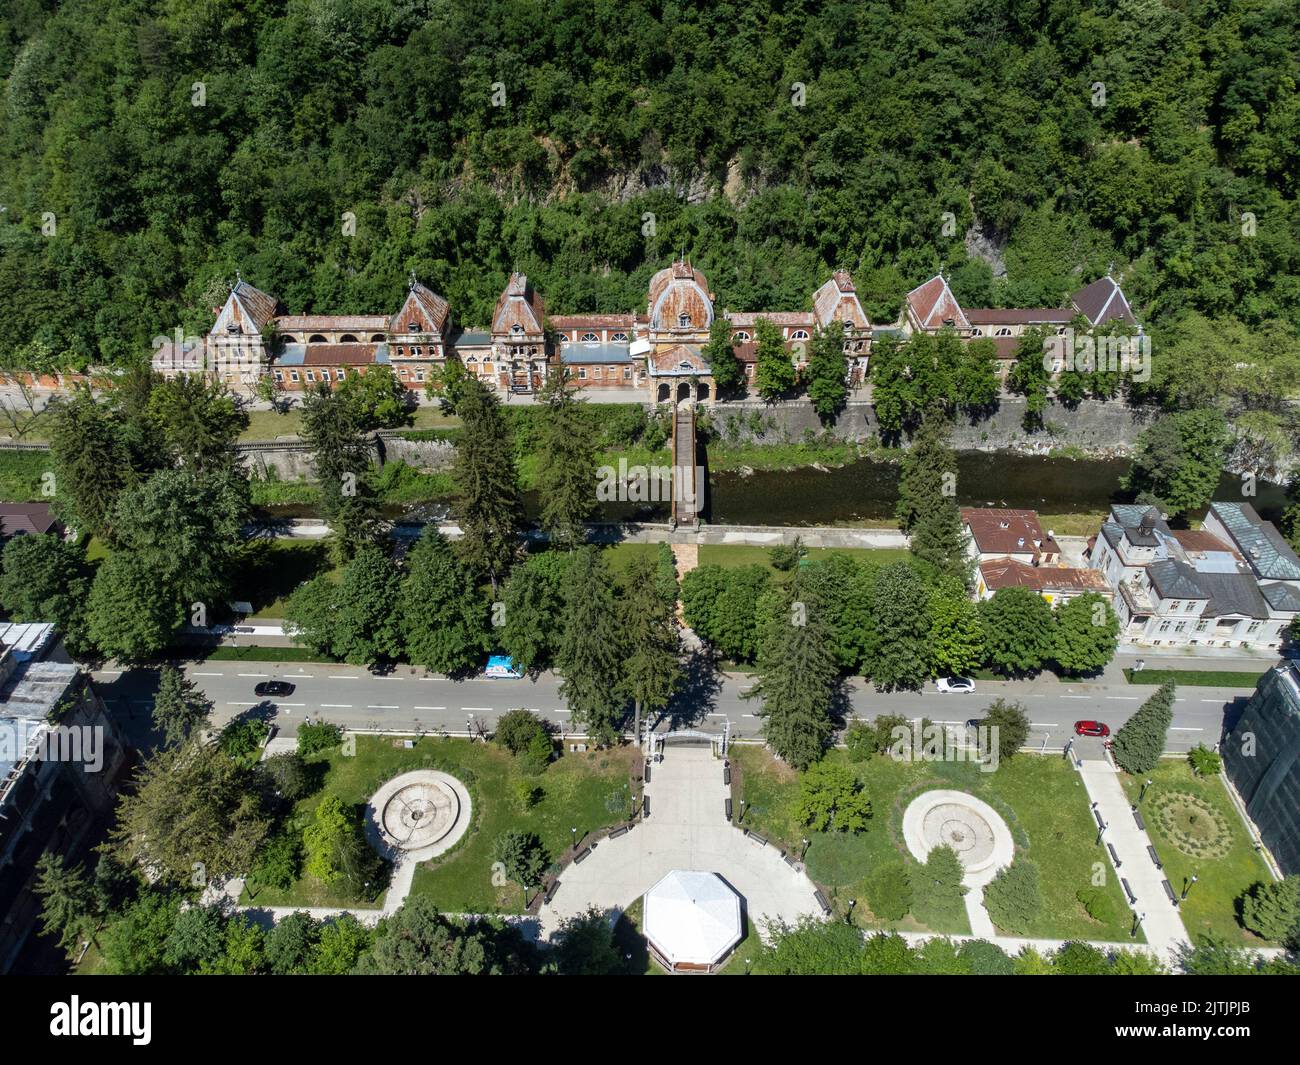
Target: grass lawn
<point>1208,678</point>
<point>1211,903</point>
<point>1082,524</point>
<point>1042,800</point>
<point>269,571</point>
<point>589,791</point>
<point>20,475</point>
<point>268,424</point>
<point>749,555</point>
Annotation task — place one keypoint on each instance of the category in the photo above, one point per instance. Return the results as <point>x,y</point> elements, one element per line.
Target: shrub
<point>889,891</point>
<point>1014,899</point>
<point>516,729</point>
<point>786,556</point>
<point>1204,762</point>
<point>528,793</point>
<point>242,737</point>
<point>288,775</point>
<point>316,736</point>
<point>522,855</point>
<point>1098,903</point>
<point>280,862</point>
<point>832,799</point>
<point>1272,910</point>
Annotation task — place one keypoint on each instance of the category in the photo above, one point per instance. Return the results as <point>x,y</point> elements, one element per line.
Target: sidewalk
<point>1161,922</point>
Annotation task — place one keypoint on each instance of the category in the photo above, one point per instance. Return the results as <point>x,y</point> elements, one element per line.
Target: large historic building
<point>659,351</point>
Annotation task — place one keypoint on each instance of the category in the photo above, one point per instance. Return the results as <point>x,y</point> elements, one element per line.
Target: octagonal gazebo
<point>691,921</point>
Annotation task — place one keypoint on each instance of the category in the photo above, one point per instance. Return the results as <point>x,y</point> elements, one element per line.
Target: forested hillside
<point>613,109</point>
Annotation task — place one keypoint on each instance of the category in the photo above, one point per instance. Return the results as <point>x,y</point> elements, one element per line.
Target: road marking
<point>1185,728</point>
<point>1124,698</point>
<point>1076,696</point>
<point>755,716</point>
<point>254,674</point>
<point>347,676</point>
<point>207,674</point>
<point>1042,724</point>
<point>430,708</point>
<point>373,706</point>
<point>337,706</point>
<point>715,715</point>
<point>290,704</point>
<point>1216,702</point>
<point>229,702</point>
<point>297,676</point>
<point>110,672</point>
<point>478,709</point>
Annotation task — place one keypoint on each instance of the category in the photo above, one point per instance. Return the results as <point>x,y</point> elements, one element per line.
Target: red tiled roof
<point>748,319</point>
<point>1000,531</point>
<point>353,323</point>
<point>934,305</point>
<point>519,305</point>
<point>1195,541</point>
<point>1001,573</point>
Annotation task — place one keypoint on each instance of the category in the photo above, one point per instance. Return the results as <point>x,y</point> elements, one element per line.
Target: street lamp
<point>575,838</point>
<point>748,962</point>
<point>848,917</point>
<point>1187,884</point>
<point>1145,784</point>
<point>742,812</point>
<point>805,849</point>
<point>1138,918</point>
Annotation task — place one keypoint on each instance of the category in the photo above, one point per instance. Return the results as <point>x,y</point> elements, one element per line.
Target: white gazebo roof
<point>692,918</point>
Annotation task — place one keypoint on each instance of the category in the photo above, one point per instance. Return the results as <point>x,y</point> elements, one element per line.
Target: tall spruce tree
<point>652,669</point>
<point>927,502</point>
<point>488,507</point>
<point>180,708</point>
<point>797,675</point>
<point>566,479</point>
<point>592,647</point>
<point>444,619</point>
<point>68,909</point>
<point>332,423</point>
<point>1140,741</point>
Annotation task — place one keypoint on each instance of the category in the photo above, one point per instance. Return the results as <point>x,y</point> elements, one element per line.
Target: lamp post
<point>848,917</point>
<point>1187,884</point>
<point>1143,794</point>
<point>804,852</point>
<point>748,962</point>
<point>574,830</point>
<point>742,813</point>
<point>1138,918</point>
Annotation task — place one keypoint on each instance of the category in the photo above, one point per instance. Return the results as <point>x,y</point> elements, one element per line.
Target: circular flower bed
<point>1192,825</point>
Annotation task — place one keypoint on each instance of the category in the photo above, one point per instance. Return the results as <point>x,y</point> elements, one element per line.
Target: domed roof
<point>676,290</point>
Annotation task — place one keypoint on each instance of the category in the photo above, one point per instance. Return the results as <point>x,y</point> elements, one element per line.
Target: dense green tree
<point>197,940</point>
<point>365,617</point>
<point>584,945</point>
<point>1140,741</point>
<point>832,799</point>
<point>728,371</point>
<point>325,839</point>
<point>827,373</point>
<point>796,678</point>
<point>487,485</point>
<point>333,424</point>
<point>652,670</point>
<point>889,891</point>
<point>956,635</point>
<point>1030,378</point>
<point>899,655</point>
<point>1014,899</point>
<point>721,605</point>
<point>1179,460</point>
<point>566,452</point>
<point>45,578</point>
<point>92,460</point>
<point>1011,723</point>
<point>68,905</point>
<point>180,708</point>
<point>532,603</point>
<point>1085,634</point>
<point>976,382</point>
<point>379,397</point>
<point>592,648</point>
<point>419,941</point>
<point>443,617</point>
<point>1272,909</point>
<point>291,944</point>
<point>522,855</point>
<point>340,944</point>
<point>135,944</point>
<point>199,421</point>
<point>1018,630</point>
<point>774,373</point>
<point>129,615</point>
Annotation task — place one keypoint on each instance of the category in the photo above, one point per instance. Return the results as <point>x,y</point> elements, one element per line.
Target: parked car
<point>955,685</point>
<point>502,666</point>
<point>1091,728</point>
<point>273,687</point>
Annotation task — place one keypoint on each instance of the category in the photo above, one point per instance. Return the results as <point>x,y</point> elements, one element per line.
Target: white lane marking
<point>1076,696</point>
<point>300,676</point>
<point>207,674</point>
<point>1216,702</point>
<point>1124,698</point>
<point>254,674</point>
<point>229,702</point>
<point>755,716</point>
<point>478,709</point>
<point>1184,728</point>
<point>290,704</point>
<point>113,673</point>
<point>374,706</point>
<point>430,708</point>
<point>338,706</point>
<point>715,715</point>
<point>1042,724</point>
<point>560,711</point>
<point>348,676</point>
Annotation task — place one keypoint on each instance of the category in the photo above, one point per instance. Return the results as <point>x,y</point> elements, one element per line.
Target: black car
<point>274,687</point>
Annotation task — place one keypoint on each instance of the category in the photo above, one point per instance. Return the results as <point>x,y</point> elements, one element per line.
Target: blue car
<point>502,666</point>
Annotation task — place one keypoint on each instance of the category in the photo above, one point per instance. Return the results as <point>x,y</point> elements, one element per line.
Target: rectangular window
<point>595,372</point>
<point>1253,627</point>
<point>293,375</point>
<point>419,375</point>
<point>582,373</point>
<point>339,374</point>
<point>627,373</point>
<point>311,375</point>
<point>402,373</point>
<point>279,375</point>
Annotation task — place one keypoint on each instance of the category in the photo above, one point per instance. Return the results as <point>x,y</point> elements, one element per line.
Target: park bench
<point>727,807</point>
<point>1113,856</point>
<point>581,856</point>
<point>1154,856</point>
<point>1128,891</point>
<point>821,901</point>
<point>1169,891</point>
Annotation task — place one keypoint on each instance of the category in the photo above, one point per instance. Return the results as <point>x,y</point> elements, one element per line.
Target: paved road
<point>410,700</point>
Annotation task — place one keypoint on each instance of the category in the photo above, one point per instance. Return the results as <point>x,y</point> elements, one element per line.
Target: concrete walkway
<point>686,829</point>
<point>1161,922</point>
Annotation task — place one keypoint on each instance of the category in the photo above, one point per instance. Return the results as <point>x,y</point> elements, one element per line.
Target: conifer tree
<point>1140,741</point>
<point>488,507</point>
<point>592,647</point>
<point>566,481</point>
<point>444,619</point>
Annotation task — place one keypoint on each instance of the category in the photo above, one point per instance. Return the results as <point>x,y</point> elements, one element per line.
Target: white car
<point>955,685</point>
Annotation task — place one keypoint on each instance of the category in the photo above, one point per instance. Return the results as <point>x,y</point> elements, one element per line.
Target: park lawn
<point>1042,800</point>
<point>1084,523</point>
<point>1211,904</point>
<point>733,555</point>
<point>588,791</point>
<point>1207,678</point>
<point>20,476</point>
<point>269,424</point>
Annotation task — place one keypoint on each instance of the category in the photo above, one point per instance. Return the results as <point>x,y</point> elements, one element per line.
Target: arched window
<point>590,338</point>
<point>347,338</point>
<point>1003,331</point>
<point>377,338</point>
<point>977,332</point>
<point>799,334</point>
<point>741,337</point>
<point>516,328</point>
<point>619,338</point>
<point>289,339</point>
<point>415,326</point>
<point>316,338</point>
<point>683,321</point>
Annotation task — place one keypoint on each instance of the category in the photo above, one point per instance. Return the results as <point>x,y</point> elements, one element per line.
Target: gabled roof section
<point>1103,301</point>
<point>427,305</point>
<point>933,305</point>
<point>246,307</point>
<point>837,301</point>
<point>518,305</point>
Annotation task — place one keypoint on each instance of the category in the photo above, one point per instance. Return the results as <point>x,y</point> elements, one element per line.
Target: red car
<point>1091,728</point>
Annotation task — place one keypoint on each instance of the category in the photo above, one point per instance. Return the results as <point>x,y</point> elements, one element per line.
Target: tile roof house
<point>1016,534</point>
<point>1057,584</point>
<point>1233,583</point>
